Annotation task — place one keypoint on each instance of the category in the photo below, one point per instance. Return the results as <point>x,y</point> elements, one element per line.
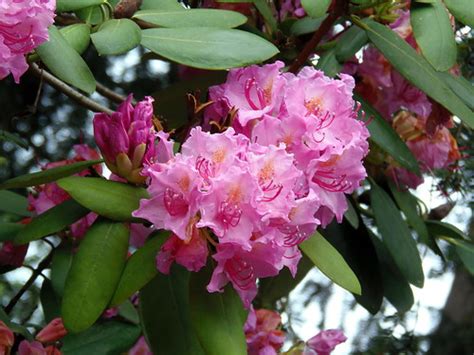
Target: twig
<point>68,91</point>
<point>309,48</point>
<point>42,265</point>
<point>110,94</point>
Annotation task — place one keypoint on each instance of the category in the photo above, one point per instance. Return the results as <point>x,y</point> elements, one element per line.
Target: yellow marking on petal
<point>184,183</point>
<point>314,104</point>
<point>266,173</point>
<point>219,155</point>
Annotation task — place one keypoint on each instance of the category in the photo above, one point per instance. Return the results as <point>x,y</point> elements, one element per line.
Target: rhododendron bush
<point>301,134</point>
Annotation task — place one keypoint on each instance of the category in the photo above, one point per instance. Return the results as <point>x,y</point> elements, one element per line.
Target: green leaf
<point>70,5</point>
<point>12,202</point>
<point>49,175</point>
<point>110,199</point>
<point>161,5</point>
<point>111,337</point>
<point>13,138</point>
<point>116,36</point>
<point>306,25</point>
<point>316,8</point>
<point>217,318</point>
<point>351,215</point>
<point>328,63</point>
<point>267,14</point>
<point>8,230</point>
<point>396,289</point>
<point>14,326</point>
<point>416,69</point>
<point>50,301</point>
<point>442,229</point>
<point>78,36</point>
<point>434,34</point>
<point>349,43</point>
<point>387,139</point>
<point>463,10</point>
<point>94,274</point>
<point>60,266</point>
<point>192,18</point>
<point>208,48</point>
<point>139,269</point>
<point>52,221</point>
<point>128,311</point>
<point>396,235</point>
<point>330,262</point>
<point>164,314</point>
<point>466,254</point>
<point>460,86</point>
<point>357,249</point>
<point>91,15</point>
<point>60,58</point>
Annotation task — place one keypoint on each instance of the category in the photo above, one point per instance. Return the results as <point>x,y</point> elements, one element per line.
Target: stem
<point>328,22</point>
<point>68,91</point>
<point>110,94</point>
<point>42,265</point>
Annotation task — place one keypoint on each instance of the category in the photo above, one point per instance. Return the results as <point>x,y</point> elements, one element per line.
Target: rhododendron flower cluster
<point>258,189</point>
<point>262,332</point>
<point>23,27</point>
<point>324,342</point>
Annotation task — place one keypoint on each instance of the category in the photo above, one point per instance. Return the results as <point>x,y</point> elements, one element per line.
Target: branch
<point>68,91</point>
<point>110,94</point>
<point>340,8</point>
<point>42,265</point>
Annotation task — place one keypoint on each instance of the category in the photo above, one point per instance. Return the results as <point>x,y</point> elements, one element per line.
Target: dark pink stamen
<point>205,167</point>
<point>18,44</point>
<point>270,188</point>
<point>240,272</point>
<point>293,235</point>
<point>229,213</point>
<point>328,181</point>
<point>252,84</point>
<point>174,202</point>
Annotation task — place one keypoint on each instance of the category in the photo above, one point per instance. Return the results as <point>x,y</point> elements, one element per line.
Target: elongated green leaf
<point>208,48</point>
<point>442,229</point>
<point>139,270</point>
<point>116,36</point>
<point>70,5</point>
<point>416,69</point>
<point>192,18</point>
<point>217,318</point>
<point>387,139</point>
<point>330,262</point>
<point>267,14</point>
<point>351,215</point>
<point>306,25</point>
<point>315,8</point>
<point>128,311</point>
<point>357,249</point>
<point>463,10</point>
<point>110,199</point>
<point>60,265</point>
<point>466,254</point>
<point>349,43</point>
<point>91,15</point>
<point>161,5</point>
<point>106,338</point>
<point>49,175</point>
<point>77,35</point>
<point>396,236</point>
<point>12,202</point>
<point>60,58</point>
<point>52,221</point>
<point>94,275</point>
<point>329,64</point>
<point>8,230</point>
<point>396,289</point>
<point>434,34</point>
<point>50,301</point>
<point>14,326</point>
<point>460,86</point>
<point>164,314</point>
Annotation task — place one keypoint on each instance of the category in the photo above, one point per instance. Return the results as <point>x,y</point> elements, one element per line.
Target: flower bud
<point>52,332</point>
<point>31,348</point>
<point>6,338</point>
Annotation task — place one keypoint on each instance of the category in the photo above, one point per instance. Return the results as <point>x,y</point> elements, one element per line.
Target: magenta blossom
<point>140,348</point>
<point>126,138</point>
<point>324,342</point>
<point>262,332</point>
<point>23,27</point>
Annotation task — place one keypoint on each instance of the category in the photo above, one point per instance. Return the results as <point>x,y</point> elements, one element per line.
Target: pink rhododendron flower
<point>126,138</point>
<point>291,8</point>
<point>31,348</point>
<point>12,255</point>
<point>7,338</point>
<point>140,348</point>
<point>52,332</point>
<point>262,333</point>
<point>324,342</point>
<point>23,27</point>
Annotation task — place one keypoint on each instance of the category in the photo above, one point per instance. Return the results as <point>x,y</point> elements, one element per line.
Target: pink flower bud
<point>140,348</point>
<point>6,338</point>
<point>31,348</point>
<point>52,332</point>
<point>12,255</point>
<point>325,342</point>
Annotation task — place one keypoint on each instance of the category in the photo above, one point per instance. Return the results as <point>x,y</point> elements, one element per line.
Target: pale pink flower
<point>23,27</point>
<point>324,342</point>
<point>262,332</point>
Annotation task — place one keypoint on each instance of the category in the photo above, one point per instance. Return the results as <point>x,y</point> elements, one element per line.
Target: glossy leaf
<point>60,266</point>
<point>164,314</point>
<point>351,215</point>
<point>77,35</point>
<point>116,36</point>
<point>330,262</point>
<point>466,254</point>
<point>70,5</point>
<point>434,34</point>
<point>8,230</point>
<point>349,43</point>
<point>94,274</point>
<point>328,63</point>
<point>50,301</point>
<point>52,221</point>
<point>387,139</point>
<point>208,48</point>
<point>110,199</point>
<point>396,235</point>
<point>59,56</point>
<point>16,328</point>
<point>217,318</point>
<point>139,269</point>
<point>306,25</point>
<point>192,18</point>
<point>267,13</point>
<point>315,8</point>
<point>416,69</point>
<point>460,86</point>
<point>91,15</point>
<point>12,202</point>
<point>463,10</point>
<point>357,249</point>
<point>110,337</point>
<point>49,175</point>
<point>442,229</point>
<point>161,5</point>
